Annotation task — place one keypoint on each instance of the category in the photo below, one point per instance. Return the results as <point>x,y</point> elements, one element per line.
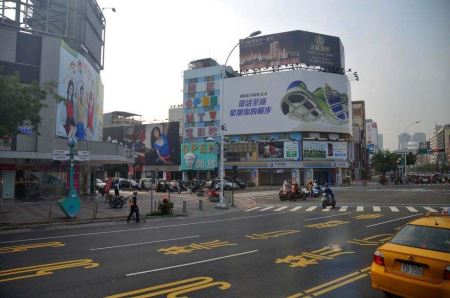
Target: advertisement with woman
<point>154,144</point>
<point>80,113</point>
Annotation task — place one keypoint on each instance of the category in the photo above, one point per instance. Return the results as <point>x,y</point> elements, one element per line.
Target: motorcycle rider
<point>286,187</point>
<point>328,191</point>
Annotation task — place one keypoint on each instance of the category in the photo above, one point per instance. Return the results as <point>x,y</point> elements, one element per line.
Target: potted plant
<point>364,177</point>
<point>165,207</point>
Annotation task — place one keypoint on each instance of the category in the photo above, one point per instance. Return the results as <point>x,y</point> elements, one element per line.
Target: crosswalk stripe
<point>281,208</point>
<point>311,208</point>
<point>296,208</point>
<point>430,209</point>
<point>327,209</point>
<point>254,208</point>
<point>412,209</point>
<point>343,208</point>
<point>394,209</point>
<point>376,209</point>
<point>359,208</point>
<point>267,208</point>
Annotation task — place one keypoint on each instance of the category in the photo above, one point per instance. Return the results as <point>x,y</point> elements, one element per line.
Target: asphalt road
<point>282,251</point>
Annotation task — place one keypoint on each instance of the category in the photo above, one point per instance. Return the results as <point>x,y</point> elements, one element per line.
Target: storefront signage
<point>317,150</point>
<point>198,156</point>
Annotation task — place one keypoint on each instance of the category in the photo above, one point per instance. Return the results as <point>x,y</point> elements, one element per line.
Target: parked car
<point>242,184</point>
<point>147,184</point>
<point>416,261</point>
<point>99,184</point>
<point>125,183</point>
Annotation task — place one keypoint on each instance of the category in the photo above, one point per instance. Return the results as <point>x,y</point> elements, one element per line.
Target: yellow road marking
<point>44,269</point>
<point>20,248</point>
<point>173,289</point>
<point>372,240</point>
<point>368,216</point>
<point>273,234</point>
<point>334,284</point>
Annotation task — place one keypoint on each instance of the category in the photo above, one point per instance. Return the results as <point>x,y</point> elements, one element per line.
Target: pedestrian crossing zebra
<point>394,209</point>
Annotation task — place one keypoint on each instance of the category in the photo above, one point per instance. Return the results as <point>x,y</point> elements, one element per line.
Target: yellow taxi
<point>416,261</point>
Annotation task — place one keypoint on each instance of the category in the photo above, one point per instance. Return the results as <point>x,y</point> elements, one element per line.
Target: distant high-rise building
<point>403,140</point>
<point>380,141</point>
<point>419,137</point>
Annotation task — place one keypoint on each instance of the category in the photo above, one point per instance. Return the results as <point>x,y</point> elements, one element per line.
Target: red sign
<point>7,167</point>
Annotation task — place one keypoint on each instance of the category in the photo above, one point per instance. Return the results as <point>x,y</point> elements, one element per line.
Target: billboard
<point>288,101</point>
<point>371,132</point>
<point>198,156</point>
<point>291,48</point>
<point>154,144</point>
<point>314,150</point>
<point>80,113</point>
<point>278,150</point>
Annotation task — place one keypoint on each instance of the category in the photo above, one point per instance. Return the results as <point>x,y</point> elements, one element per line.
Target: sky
<point>400,49</point>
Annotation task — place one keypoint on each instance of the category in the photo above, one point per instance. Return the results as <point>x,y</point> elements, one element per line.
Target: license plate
<point>412,269</point>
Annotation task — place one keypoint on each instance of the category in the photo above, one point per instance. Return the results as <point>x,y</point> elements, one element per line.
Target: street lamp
<point>112,8</point>
<point>404,152</point>
<point>221,203</point>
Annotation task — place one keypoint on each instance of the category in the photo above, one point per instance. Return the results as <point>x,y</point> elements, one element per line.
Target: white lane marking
<point>380,223</point>
<point>430,209</point>
<point>412,209</point>
<point>267,208</point>
<point>376,209</point>
<point>311,208</point>
<point>281,208</point>
<point>326,209</point>
<point>296,208</point>
<point>143,243</point>
<point>340,214</point>
<point>139,229</point>
<point>343,208</point>
<point>192,263</point>
<point>251,209</point>
<point>394,209</point>
<point>359,208</point>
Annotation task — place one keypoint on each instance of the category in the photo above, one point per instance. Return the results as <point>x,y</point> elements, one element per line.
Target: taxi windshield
<point>432,238</point>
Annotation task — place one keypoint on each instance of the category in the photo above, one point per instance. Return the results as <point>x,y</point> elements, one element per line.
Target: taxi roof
<point>443,221</point>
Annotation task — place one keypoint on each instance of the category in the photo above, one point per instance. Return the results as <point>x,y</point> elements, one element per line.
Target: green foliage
<point>21,103</point>
<point>384,161</point>
<point>411,159</point>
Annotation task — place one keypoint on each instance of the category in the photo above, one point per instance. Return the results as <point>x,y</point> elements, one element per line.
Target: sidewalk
<point>17,213</point>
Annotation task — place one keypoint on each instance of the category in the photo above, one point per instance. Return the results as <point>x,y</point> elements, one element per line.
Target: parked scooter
<point>291,193</point>
<point>317,191</point>
<point>115,201</point>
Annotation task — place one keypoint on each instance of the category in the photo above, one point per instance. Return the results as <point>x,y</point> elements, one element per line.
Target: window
<point>432,238</point>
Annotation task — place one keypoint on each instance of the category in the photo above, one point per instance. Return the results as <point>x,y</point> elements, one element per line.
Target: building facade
<point>359,145</point>
<point>34,163</point>
<point>403,140</point>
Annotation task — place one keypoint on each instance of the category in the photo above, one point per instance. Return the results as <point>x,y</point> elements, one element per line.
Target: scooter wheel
<point>333,205</point>
<point>324,205</point>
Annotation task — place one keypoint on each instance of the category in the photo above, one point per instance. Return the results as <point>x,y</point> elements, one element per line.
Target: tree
<point>384,161</point>
<point>20,103</point>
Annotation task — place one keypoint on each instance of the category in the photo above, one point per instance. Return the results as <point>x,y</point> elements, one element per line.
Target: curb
<point>8,227</point>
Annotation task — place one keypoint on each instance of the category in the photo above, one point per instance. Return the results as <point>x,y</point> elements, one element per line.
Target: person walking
<point>134,207</point>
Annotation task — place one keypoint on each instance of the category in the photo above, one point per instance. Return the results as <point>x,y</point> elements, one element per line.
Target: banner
<point>292,47</point>
<point>198,156</point>
<point>316,150</point>
<point>80,113</point>
<point>278,150</point>
<point>297,100</point>
<point>154,144</point>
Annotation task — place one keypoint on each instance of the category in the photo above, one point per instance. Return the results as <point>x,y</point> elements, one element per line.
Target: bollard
<point>94,210</point>
<point>184,207</point>
<point>50,214</point>
<point>200,204</point>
